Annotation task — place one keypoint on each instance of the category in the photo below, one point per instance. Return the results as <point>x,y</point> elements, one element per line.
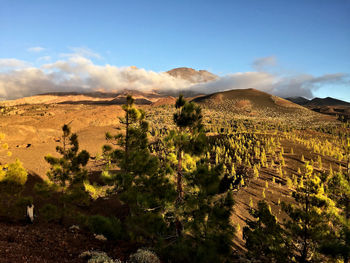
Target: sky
<point>287,48</point>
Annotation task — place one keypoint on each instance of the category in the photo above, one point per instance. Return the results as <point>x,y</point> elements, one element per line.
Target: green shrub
<point>43,189</point>
<point>49,213</point>
<point>24,201</point>
<point>15,209</point>
<point>94,190</point>
<point>77,195</point>
<point>79,218</point>
<point>13,173</point>
<point>110,227</point>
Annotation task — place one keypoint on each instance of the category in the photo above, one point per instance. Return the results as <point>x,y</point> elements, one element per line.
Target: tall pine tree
<point>141,183</point>
<point>68,169</point>
<point>204,232</point>
<point>309,216</point>
<point>188,137</point>
<point>338,243</point>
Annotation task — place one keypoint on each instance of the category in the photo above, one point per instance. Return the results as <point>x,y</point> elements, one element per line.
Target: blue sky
<point>304,36</point>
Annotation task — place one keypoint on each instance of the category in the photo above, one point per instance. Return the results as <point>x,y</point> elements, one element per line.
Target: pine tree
<point>338,243</point>
<point>203,229</point>
<point>141,184</point>
<point>188,136</point>
<point>265,238</point>
<point>69,170</point>
<point>256,172</point>
<point>309,218</point>
<point>251,204</point>
<point>205,217</point>
<point>70,167</point>
<point>132,117</point>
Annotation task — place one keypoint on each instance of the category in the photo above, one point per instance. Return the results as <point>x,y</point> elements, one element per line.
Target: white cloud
<point>81,52</point>
<point>79,73</point>
<point>284,86</point>
<point>256,80</point>
<point>12,63</point>
<point>36,49</point>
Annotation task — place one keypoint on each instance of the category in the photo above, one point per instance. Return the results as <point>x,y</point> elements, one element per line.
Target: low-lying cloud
<point>12,63</point>
<point>76,72</point>
<point>302,85</point>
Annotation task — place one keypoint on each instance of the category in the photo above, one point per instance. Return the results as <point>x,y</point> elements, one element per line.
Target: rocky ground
<point>52,243</point>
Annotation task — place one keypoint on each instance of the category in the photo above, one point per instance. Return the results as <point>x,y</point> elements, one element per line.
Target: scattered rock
<point>144,256</point>
<point>97,257</point>
<point>100,237</point>
<point>74,228</point>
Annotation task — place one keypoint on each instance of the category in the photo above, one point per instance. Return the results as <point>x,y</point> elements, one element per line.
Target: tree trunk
<point>62,218</point>
<point>304,253</point>
<point>127,143</point>
<point>180,193</point>
<point>348,167</point>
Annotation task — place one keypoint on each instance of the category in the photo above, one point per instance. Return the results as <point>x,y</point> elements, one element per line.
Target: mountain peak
<point>192,75</point>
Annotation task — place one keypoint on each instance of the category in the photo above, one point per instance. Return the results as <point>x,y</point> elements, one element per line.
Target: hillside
<point>254,103</point>
<point>165,101</point>
<point>108,98</point>
<point>192,75</point>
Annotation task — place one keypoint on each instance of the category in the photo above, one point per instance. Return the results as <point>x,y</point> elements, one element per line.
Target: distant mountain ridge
<point>329,106</point>
<point>298,100</point>
<point>327,102</point>
<point>318,102</point>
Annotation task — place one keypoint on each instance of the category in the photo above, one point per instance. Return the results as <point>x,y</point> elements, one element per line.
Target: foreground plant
<point>70,168</point>
<point>309,217</point>
<point>140,182</point>
<point>11,173</point>
<point>203,231</point>
<point>68,171</point>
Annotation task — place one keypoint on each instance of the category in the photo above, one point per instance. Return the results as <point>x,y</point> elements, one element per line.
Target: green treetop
<point>70,167</point>
<point>265,239</point>
<point>309,217</point>
<point>141,183</point>
<point>188,137</point>
<point>338,243</point>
